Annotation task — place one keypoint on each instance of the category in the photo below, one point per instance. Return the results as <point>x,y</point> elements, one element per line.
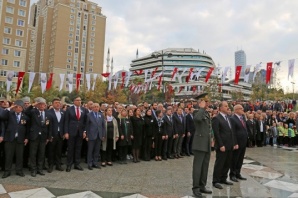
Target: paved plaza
<point>271,172</point>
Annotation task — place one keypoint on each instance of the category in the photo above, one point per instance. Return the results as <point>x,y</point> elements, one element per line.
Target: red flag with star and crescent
<point>237,74</point>
<point>268,72</point>
<point>20,79</point>
<point>209,74</point>
<point>49,82</point>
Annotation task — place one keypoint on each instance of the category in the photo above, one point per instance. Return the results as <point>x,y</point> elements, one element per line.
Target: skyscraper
<point>13,34</point>
<point>240,59</point>
<point>66,36</point>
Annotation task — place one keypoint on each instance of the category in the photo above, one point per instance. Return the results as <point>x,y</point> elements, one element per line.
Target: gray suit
<point>96,131</point>
<point>201,148</point>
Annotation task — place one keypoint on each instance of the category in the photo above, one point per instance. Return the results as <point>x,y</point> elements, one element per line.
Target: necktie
<point>242,121</point>
<point>42,118</point>
<point>18,120</point>
<point>180,118</point>
<point>78,113</point>
<point>228,121</point>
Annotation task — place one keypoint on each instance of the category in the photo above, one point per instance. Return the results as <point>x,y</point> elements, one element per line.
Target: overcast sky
<point>266,30</point>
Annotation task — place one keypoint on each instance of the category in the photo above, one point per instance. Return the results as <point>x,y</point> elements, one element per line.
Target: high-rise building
<point>240,59</point>
<point>13,35</point>
<point>66,36</point>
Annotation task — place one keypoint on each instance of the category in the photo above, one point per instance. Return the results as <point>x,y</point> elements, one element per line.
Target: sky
<point>266,30</point>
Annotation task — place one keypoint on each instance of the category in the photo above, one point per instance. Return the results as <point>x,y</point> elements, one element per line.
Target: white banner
<point>88,81</point>
<point>94,81</point>
<point>246,73</point>
<point>256,71</point>
<point>128,74</point>
<point>224,74</point>
<point>145,74</point>
<point>43,81</point>
<point>291,68</point>
<point>62,76</point>
<point>179,76</point>
<point>116,80</point>
<point>70,82</point>
<point>31,79</point>
<point>110,81</point>
<point>9,77</point>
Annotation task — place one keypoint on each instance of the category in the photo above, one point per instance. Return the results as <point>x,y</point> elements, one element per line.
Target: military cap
<point>19,103</point>
<point>203,96</point>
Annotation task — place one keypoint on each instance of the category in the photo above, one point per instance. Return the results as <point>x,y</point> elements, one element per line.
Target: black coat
<point>150,126</point>
<point>125,129</point>
<point>168,126</point>
<point>240,131</point>
<point>179,125</point>
<point>190,126</point>
<point>72,125</point>
<point>138,131</point>
<point>57,127</point>
<point>251,129</point>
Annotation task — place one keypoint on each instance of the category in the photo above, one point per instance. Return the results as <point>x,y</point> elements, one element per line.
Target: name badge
<point>151,120</point>
<point>127,122</point>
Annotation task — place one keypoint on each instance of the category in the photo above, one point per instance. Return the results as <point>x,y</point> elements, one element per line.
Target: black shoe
<point>68,168</point>
<point>50,169</point>
<point>40,172</point>
<point>33,173</point>
<point>20,173</point>
<point>59,168</point>
<point>234,179</point>
<point>191,153</point>
<point>180,156</point>
<point>6,174</point>
<point>165,158</point>
<point>226,182</point>
<point>196,193</point>
<point>78,167</point>
<point>124,162</point>
<point>45,168</point>
<point>170,157</point>
<point>205,190</point>
<point>217,185</point>
<point>241,178</point>
<point>96,166</point>
<point>90,168</point>
<point>187,154</point>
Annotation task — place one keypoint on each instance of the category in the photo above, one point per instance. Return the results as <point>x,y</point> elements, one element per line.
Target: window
<point>67,66</point>
<point>93,22</point>
<point>82,63</point>
<point>91,51</point>
<point>3,73</point>
<point>69,60</point>
<point>70,41</point>
<point>77,44</point>
<point>77,38</point>
<point>4,62</point>
<point>82,69</point>
<point>92,34</point>
<point>90,57</point>
<point>18,43</point>
<point>92,40</point>
<point>72,10</point>
<point>17,53</point>
<point>23,3</point>
<point>21,23</point>
<point>71,16</point>
<point>91,64</point>
<point>93,28</point>
<point>70,28</point>
<point>5,51</point>
<point>8,20</point>
<point>91,45</point>
<point>68,53</point>
<point>7,30</point>
<point>71,22</point>
<point>22,13</point>
<point>76,50</point>
<point>6,41</point>
<point>16,63</point>
<point>19,32</point>
<point>69,47</point>
<point>90,69</point>
<point>74,68</point>
<point>10,1</point>
<point>9,10</point>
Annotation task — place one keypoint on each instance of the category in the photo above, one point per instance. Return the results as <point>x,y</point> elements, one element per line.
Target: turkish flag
<point>237,74</point>
<point>180,89</point>
<point>139,72</point>
<point>189,74</point>
<point>49,82</point>
<point>174,72</point>
<point>20,79</point>
<point>268,72</point>
<point>153,72</point>
<point>194,88</point>
<point>78,80</point>
<point>209,74</point>
<point>123,78</point>
<point>105,75</point>
<point>159,82</point>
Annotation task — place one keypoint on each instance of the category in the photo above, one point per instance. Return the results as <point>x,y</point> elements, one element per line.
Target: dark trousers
<point>93,152</point>
<point>169,146</point>
<point>26,162</point>
<point>222,165</point>
<point>37,154</point>
<point>55,151</point>
<point>158,144</point>
<point>237,161</point>
<point>123,152</point>
<point>14,149</point>
<point>280,140</point>
<point>2,156</point>
<point>107,154</point>
<point>188,144</point>
<point>74,150</point>
<point>200,169</point>
<point>147,147</point>
<point>164,148</point>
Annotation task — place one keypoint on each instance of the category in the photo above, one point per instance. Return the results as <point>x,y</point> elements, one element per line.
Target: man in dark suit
<point>39,135</point>
<point>2,112</point>
<point>240,130</point>
<point>74,132</point>
<point>169,130</point>
<point>56,141</point>
<point>201,146</point>
<point>96,132</point>
<point>15,135</point>
<point>224,145</point>
<point>179,131</point>
<point>190,131</point>
<point>251,130</point>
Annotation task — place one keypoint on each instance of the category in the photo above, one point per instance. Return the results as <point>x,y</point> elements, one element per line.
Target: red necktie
<point>242,121</point>
<point>78,113</point>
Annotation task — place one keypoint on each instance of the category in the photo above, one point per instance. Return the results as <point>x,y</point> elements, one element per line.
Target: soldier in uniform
<point>201,146</point>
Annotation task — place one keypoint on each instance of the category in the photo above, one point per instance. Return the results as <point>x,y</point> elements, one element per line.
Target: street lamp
<point>293,83</point>
<point>162,54</point>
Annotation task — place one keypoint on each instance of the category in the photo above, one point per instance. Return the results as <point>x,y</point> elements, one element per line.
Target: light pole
<point>162,54</point>
<point>293,83</point>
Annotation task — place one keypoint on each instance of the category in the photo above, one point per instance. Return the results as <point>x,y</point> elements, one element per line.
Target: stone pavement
<point>271,172</point>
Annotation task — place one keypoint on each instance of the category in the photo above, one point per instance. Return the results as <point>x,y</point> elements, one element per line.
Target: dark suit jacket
<point>190,126</point>
<point>251,129</point>
<point>72,125</point>
<point>179,126</point>
<point>12,127</point>
<point>260,136</point>
<point>57,125</point>
<point>125,131</point>
<point>223,134</point>
<point>39,128</point>
<point>240,131</point>
<point>95,127</point>
<point>168,126</point>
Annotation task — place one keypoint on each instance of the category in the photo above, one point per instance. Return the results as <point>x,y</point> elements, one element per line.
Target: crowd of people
<point>39,135</point>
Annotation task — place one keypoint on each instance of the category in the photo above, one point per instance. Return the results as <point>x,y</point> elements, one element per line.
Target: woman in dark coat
<point>159,135</point>
<point>138,131</point>
<point>149,130</point>
<point>261,131</point>
<point>125,131</point>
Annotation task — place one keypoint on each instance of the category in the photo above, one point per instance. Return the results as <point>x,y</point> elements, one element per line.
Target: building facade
<point>66,36</point>
<point>240,59</point>
<point>13,37</point>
